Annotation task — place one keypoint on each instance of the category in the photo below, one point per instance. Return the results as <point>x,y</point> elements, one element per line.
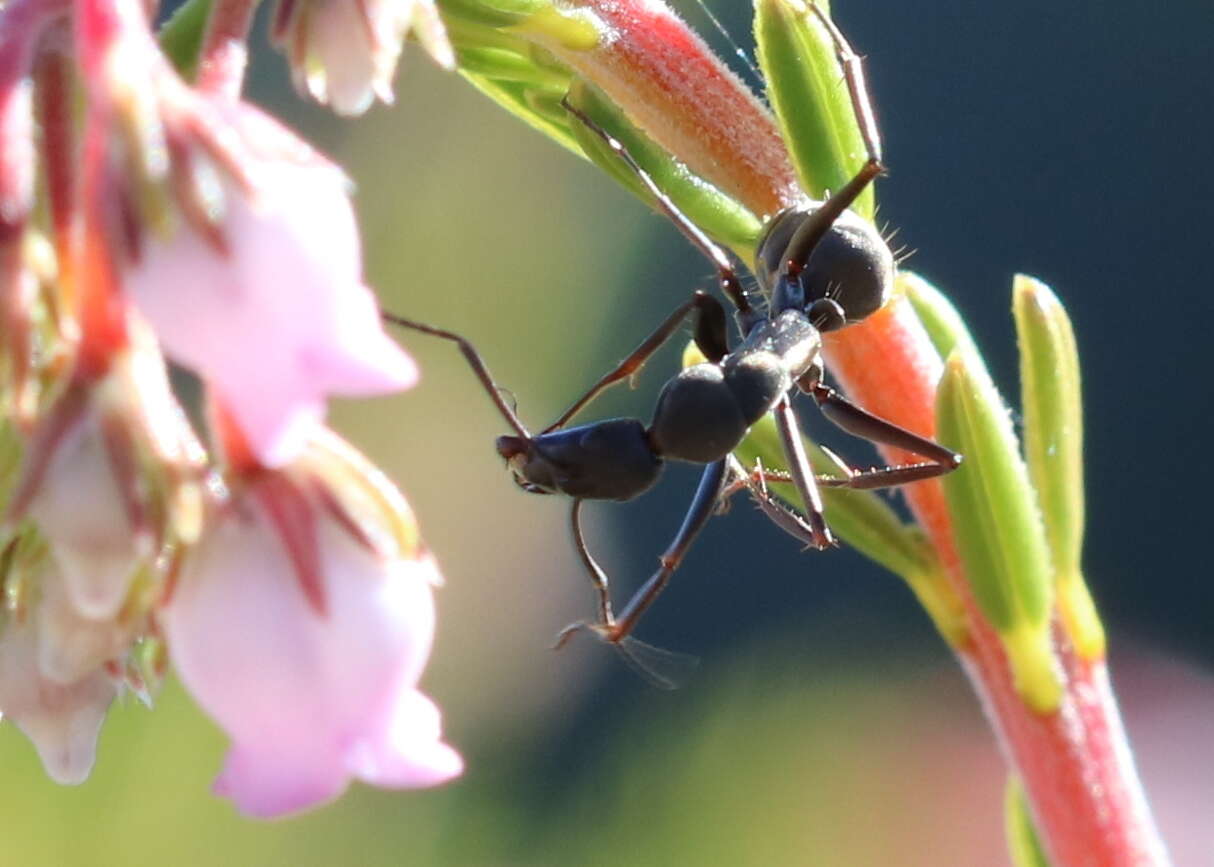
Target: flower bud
<point>62,720</point>
<point>112,475</point>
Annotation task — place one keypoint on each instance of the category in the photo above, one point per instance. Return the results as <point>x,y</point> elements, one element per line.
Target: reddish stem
<point>1074,763</point>
<point>60,159</point>
<point>225,53</point>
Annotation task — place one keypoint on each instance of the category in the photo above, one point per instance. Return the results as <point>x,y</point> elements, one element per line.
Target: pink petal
<point>283,320</point>
<point>264,785</point>
<point>408,752</point>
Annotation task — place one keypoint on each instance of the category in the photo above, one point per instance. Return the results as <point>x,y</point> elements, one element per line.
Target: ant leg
<point>802,475</point>
<point>709,336</point>
<point>474,360</point>
<point>844,414</point>
<point>597,576</point>
<point>664,669</point>
<point>811,231</point>
<point>814,228</point>
<point>857,87</point>
<point>730,284</point>
<point>701,509</point>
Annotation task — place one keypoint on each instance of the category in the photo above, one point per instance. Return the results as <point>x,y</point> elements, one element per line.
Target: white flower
<point>343,53</point>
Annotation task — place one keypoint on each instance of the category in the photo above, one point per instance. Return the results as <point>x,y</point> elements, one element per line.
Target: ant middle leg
<point>709,336</point>
<point>598,577</point>
<point>618,631</point>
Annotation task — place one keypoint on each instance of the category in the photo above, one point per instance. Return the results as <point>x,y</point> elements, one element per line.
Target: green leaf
<point>181,36</point>
<point>940,318</point>
<point>807,90</point>
<point>1053,443</point>
<point>1022,841</point>
<point>998,527</point>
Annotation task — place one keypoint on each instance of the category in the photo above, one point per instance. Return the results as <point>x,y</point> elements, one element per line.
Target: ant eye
<point>825,314</point>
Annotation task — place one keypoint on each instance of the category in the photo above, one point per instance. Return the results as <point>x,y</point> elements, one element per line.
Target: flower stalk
<point>1027,635</point>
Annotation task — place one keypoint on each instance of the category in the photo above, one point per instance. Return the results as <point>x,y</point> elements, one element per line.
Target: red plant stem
<point>225,53</point>
<point>1074,763</point>
<point>60,159</point>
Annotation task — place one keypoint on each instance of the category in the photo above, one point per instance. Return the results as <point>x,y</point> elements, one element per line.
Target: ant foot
<point>601,630</point>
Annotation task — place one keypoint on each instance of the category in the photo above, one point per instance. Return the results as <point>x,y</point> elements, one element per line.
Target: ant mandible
<point>822,267</point>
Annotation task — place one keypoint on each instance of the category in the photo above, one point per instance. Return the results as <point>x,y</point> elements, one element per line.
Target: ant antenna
<point>737,49</point>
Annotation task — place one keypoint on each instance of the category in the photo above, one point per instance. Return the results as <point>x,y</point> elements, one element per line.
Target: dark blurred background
<point>827,724</point>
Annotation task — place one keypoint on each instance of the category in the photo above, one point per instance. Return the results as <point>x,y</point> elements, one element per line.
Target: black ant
<point>822,267</point>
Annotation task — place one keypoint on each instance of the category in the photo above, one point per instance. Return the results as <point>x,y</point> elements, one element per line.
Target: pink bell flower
<point>301,623</point>
<point>275,317</point>
<point>240,245</point>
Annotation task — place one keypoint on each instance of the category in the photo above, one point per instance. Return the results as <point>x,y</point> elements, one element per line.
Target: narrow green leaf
<point>181,36</point>
<point>494,13</point>
<point>514,97</point>
<point>998,528</point>
<point>809,95</point>
<point>940,318</point>
<point>1053,443</point>
<point>1053,415</point>
<point>1022,841</point>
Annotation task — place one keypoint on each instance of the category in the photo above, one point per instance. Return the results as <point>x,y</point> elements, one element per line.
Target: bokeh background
<point>826,724</point>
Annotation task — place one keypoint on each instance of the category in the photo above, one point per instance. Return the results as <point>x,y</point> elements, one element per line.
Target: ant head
<point>848,275</point>
<point>519,454</point>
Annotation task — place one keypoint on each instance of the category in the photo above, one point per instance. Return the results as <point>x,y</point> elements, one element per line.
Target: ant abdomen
<point>851,264</point>
<point>606,460</point>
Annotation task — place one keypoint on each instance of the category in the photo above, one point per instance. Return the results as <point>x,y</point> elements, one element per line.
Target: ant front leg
<point>803,242</point>
<point>474,361</point>
<point>846,415</point>
<point>709,337</point>
<point>857,87</point>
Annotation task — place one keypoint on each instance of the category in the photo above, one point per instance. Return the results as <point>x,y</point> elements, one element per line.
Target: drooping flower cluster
<point>280,573</point>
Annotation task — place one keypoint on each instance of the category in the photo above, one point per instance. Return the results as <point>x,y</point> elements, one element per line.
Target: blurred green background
<point>826,724</point>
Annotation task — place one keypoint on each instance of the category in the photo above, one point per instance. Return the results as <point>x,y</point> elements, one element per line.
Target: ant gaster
<point>822,267</point>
